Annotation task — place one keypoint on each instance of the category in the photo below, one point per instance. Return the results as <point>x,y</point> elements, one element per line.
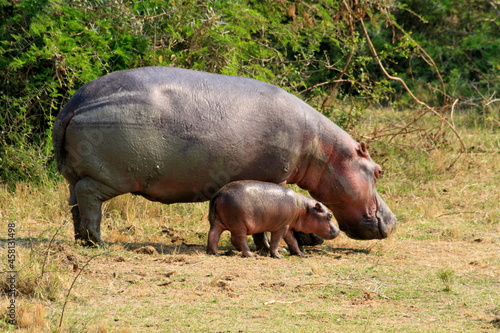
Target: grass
<point>439,272</point>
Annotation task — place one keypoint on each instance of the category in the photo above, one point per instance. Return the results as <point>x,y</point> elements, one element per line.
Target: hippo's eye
<point>378,172</point>
<point>329,215</point>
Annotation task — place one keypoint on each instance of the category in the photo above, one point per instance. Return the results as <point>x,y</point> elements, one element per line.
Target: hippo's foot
<point>212,253</point>
<point>297,253</point>
<point>276,255</point>
<point>263,252</point>
<point>248,254</point>
<point>89,243</point>
<point>307,239</point>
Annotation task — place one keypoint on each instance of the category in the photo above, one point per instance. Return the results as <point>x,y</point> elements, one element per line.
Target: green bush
<point>317,50</point>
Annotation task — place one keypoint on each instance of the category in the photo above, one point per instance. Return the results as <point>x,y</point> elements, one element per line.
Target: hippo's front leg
<point>307,239</point>
<point>276,238</point>
<point>293,245</point>
<point>261,241</point>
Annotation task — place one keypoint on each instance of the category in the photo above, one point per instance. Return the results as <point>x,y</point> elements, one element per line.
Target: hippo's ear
<point>318,207</point>
<point>362,149</point>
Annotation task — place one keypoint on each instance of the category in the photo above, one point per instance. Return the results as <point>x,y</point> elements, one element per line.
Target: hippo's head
<point>319,221</point>
<point>347,188</point>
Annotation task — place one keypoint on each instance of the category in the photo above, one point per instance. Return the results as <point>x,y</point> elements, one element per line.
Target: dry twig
<point>73,283</point>
<point>405,86</point>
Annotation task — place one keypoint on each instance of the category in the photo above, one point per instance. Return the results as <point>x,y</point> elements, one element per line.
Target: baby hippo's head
<point>318,220</point>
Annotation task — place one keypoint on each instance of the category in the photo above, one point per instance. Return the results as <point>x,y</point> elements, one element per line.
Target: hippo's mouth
<point>334,232</point>
<point>378,224</point>
<point>382,231</point>
<point>386,220</point>
<point>366,228</point>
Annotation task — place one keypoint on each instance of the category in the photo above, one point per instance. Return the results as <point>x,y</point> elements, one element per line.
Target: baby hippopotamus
<point>249,207</point>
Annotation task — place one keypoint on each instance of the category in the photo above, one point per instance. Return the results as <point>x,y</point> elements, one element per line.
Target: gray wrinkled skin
<point>248,207</point>
<point>176,135</point>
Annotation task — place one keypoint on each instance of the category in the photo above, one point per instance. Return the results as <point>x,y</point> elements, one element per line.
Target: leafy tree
<point>463,39</point>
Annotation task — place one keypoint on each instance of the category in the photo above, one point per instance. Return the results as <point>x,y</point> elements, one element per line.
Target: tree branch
<point>405,86</point>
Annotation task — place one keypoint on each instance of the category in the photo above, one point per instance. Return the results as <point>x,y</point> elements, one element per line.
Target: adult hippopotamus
<point>177,135</point>
<point>247,207</point>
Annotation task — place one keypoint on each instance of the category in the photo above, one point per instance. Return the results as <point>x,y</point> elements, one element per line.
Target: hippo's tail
<point>212,213</point>
<point>58,138</point>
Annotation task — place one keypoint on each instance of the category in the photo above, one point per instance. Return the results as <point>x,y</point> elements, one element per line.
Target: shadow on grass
<point>161,248</point>
<point>180,248</point>
<point>325,249</point>
<point>187,248</point>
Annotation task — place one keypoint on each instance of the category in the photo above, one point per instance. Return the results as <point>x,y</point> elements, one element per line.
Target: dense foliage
<point>445,50</point>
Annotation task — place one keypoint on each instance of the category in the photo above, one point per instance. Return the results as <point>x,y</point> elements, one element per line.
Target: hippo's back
<point>155,96</point>
<point>167,132</point>
<point>255,193</point>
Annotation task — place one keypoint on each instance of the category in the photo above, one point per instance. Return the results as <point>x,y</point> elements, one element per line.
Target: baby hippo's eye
<point>329,215</point>
<point>378,172</point>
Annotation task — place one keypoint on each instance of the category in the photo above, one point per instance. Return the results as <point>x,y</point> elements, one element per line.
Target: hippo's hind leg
<point>213,238</point>
<point>87,212</point>
<point>239,241</point>
<point>75,211</point>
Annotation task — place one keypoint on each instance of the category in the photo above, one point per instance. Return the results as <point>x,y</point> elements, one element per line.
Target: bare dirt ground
<point>389,286</point>
<point>446,283</point>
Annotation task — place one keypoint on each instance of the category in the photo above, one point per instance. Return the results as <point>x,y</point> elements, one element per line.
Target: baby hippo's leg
<point>213,238</point>
<point>293,245</point>
<point>276,238</point>
<point>239,241</point>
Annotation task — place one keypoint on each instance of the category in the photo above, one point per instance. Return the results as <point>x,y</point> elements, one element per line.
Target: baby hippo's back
<point>259,206</point>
